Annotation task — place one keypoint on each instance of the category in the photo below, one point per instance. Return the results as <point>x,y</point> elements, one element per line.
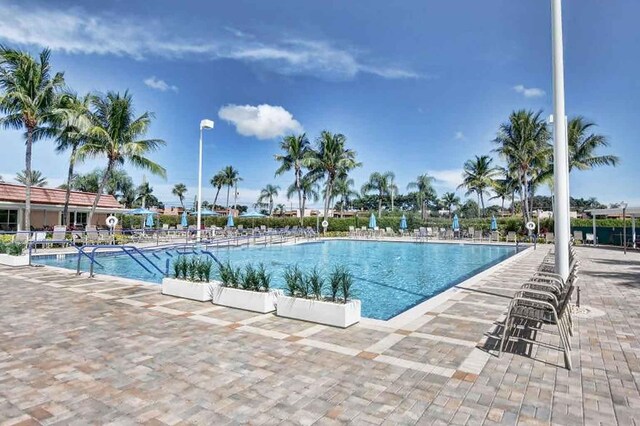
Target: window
<point>80,219</point>
<point>8,220</point>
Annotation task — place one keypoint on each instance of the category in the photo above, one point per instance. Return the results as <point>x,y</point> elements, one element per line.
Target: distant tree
<point>32,178</point>
<point>469,209</point>
<point>424,191</point>
<point>231,179</point>
<point>380,183</point>
<point>478,177</point>
<point>267,194</point>
<point>344,190</point>
<point>179,190</point>
<point>450,199</point>
<point>218,181</point>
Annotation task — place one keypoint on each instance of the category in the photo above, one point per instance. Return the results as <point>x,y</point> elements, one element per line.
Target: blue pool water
<point>389,277</point>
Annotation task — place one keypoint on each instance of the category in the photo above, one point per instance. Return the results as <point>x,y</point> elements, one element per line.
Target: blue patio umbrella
<point>494,223</point>
<point>372,221</point>
<point>184,222</point>
<point>206,213</point>
<point>403,222</point>
<point>149,221</point>
<point>456,224</point>
<point>230,221</point>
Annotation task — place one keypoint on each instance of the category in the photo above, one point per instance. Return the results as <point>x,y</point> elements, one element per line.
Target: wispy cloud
<point>262,121</point>
<point>529,92</point>
<point>75,31</point>
<point>446,180</point>
<point>158,84</point>
<point>459,136</point>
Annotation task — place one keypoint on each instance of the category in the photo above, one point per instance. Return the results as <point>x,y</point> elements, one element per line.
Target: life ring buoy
<point>111,221</point>
<point>325,224</point>
<point>531,225</point>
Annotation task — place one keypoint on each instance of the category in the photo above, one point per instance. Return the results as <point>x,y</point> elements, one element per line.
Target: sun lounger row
<point>545,299</point>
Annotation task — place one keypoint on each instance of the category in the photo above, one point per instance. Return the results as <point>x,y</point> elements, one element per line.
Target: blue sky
<point>416,86</point>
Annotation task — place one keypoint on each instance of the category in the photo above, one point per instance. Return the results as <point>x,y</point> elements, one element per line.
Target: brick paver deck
<point>81,351</point>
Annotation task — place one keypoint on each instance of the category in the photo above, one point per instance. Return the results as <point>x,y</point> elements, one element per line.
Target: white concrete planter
<point>8,260</point>
<point>248,300</point>
<point>187,289</point>
<point>328,313</point>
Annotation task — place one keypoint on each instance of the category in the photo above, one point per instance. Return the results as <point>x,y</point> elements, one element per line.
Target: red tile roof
<point>17,193</point>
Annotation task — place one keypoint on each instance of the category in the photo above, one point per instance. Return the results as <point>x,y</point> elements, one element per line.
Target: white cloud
<point>262,121</point>
<point>529,92</point>
<point>76,31</point>
<point>158,84</point>
<point>459,136</point>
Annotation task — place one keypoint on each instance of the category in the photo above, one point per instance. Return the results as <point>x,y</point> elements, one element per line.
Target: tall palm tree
<point>523,142</point>
<point>583,144</point>
<point>296,149</point>
<point>478,175</point>
<point>217,181</point>
<point>424,190</point>
<point>143,192</point>
<point>450,199</point>
<point>72,114</point>
<point>116,134</point>
<point>380,183</point>
<point>267,193</point>
<point>343,188</point>
<point>332,160</point>
<point>231,179</point>
<point>32,178</point>
<point>179,190</point>
<point>28,95</point>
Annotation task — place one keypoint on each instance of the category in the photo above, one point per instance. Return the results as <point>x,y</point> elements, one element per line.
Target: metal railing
<point>113,247</point>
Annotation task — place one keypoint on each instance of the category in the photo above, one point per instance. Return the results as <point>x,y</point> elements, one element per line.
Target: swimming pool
<point>389,277</point>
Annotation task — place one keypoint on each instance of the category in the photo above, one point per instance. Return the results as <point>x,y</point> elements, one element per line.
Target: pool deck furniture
<point>112,350</point>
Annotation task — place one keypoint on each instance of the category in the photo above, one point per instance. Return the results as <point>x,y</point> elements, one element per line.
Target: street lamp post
<point>560,149</point>
<point>204,124</point>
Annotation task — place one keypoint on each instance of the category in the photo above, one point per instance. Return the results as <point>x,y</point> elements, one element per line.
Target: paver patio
<point>81,351</point>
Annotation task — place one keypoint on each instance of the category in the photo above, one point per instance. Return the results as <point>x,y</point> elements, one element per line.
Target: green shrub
<point>315,283</point>
<point>192,268</point>
<point>292,280</point>
<point>249,280</point>
<point>205,270</point>
<point>16,249</point>
<point>264,278</point>
<point>335,281</point>
<point>347,283</point>
<point>3,247</point>
<point>177,267</point>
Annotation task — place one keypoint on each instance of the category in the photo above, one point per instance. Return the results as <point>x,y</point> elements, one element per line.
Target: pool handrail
<point>70,243</point>
<point>124,248</point>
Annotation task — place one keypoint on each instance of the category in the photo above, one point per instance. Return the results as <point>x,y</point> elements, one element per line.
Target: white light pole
<point>204,124</point>
<point>624,226</point>
<point>560,149</point>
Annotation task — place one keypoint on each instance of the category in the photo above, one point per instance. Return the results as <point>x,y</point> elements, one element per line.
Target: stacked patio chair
<point>477,235</point>
<point>512,236</point>
<point>543,300</point>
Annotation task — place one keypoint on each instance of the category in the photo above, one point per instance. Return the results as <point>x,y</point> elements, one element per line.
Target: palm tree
<point>179,190</point>
<point>344,189</point>
<point>582,146</point>
<point>424,190</point>
<point>381,184</point>
<point>231,178</point>
<point>116,134</point>
<point>32,178</point>
<point>72,114</point>
<point>478,176</point>
<point>296,149</point>
<point>143,193</point>
<point>309,187</point>
<point>450,199</point>
<point>523,142</point>
<point>217,181</point>
<point>281,209</point>
<point>28,94</point>
<point>331,160</point>
<point>266,194</point>
<point>505,187</point>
